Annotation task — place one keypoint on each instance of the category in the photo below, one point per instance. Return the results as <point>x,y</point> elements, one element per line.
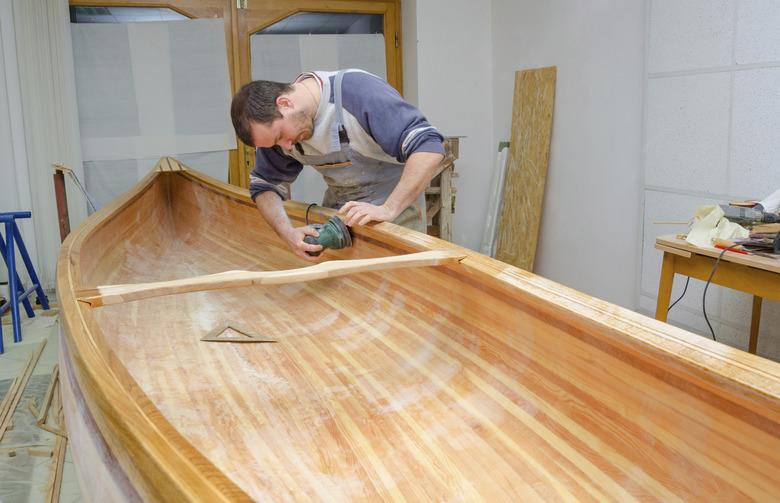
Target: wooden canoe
<point>470,381</point>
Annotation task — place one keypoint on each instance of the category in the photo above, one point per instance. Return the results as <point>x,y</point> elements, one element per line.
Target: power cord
<point>709,280</point>
<point>681,295</point>
<point>704,295</point>
<point>306,216</point>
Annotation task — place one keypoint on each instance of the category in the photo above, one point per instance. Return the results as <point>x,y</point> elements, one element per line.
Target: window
<point>327,23</point>
<point>123,14</point>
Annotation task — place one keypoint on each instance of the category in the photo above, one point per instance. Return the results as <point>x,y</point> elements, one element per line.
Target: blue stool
<point>16,288</point>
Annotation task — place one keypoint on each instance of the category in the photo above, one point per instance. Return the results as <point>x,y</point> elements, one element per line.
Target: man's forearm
<point>417,174</point>
<point>271,207</point>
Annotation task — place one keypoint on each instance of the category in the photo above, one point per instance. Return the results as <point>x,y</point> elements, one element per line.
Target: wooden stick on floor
<point>58,461</point>
<point>20,384</point>
<point>117,294</point>
<point>44,410</point>
<point>51,400</point>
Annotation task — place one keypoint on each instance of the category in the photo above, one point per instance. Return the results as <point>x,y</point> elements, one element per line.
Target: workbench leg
<point>665,287</point>
<point>754,322</point>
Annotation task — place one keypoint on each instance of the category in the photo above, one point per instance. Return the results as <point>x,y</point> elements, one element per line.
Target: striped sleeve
<point>272,169</point>
<point>396,125</point>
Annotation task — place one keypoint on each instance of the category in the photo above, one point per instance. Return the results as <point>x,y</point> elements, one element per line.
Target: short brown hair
<point>256,102</point>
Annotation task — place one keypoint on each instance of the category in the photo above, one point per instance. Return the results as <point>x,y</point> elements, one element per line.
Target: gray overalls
<point>351,176</point>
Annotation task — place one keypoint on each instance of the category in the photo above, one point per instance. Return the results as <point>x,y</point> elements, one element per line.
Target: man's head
<point>265,114</point>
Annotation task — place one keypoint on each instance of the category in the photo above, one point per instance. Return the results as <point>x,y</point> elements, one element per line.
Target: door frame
<point>243,18</point>
<point>260,14</point>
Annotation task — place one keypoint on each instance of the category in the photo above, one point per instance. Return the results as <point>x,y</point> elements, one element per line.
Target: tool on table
<point>333,234</point>
<point>748,216</point>
<point>734,250</point>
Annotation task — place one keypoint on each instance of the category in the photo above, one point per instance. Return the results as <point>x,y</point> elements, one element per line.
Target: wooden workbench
<point>758,276</point>
<point>440,193</point>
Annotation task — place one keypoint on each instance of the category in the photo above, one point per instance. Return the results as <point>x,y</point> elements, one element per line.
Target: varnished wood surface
<point>470,382</point>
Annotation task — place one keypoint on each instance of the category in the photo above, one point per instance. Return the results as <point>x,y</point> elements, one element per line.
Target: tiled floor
<point>26,477</point>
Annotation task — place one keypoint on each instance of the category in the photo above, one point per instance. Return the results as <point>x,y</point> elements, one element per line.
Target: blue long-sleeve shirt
<point>379,122</point>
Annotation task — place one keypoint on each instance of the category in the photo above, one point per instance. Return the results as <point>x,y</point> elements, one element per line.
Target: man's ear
<point>283,101</point>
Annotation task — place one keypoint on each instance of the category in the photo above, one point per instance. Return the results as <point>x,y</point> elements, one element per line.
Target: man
<point>376,152</point>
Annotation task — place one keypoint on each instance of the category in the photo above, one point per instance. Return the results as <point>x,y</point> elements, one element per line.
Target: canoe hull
<point>474,381</point>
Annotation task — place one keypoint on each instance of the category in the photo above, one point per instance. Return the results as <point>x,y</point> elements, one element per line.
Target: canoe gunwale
<point>168,467</point>
<point>155,454</point>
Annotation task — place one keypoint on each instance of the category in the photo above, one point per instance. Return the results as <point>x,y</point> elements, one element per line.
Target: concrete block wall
<point>711,135</point>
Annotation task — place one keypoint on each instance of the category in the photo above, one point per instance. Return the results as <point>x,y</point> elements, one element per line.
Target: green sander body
<point>333,234</point>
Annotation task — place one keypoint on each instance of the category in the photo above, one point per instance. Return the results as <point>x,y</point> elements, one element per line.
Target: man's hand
<point>357,213</point>
<point>294,239</point>
<point>417,173</point>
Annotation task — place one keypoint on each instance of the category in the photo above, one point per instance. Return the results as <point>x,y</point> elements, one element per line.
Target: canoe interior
<point>422,384</point>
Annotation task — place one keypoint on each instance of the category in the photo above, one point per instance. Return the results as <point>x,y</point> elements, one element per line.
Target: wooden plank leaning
<point>526,171</point>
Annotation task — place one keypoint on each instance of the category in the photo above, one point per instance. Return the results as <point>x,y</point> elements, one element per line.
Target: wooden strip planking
<point>473,320</point>
<point>449,468</point>
<point>569,370</point>
<point>536,466</point>
<point>532,423</point>
<point>526,171</point>
<point>373,281</point>
<point>269,447</point>
<point>374,387</point>
<point>587,373</point>
<point>411,442</point>
<point>500,468</point>
<point>577,430</point>
<point>379,474</point>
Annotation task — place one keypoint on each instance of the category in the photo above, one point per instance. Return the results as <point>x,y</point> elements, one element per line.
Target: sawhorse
<point>17,292</point>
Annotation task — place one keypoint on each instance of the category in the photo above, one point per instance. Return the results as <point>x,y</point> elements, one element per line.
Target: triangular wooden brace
<point>233,332</point>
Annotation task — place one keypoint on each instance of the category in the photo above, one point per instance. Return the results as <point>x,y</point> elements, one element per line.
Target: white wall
<point>589,229</point>
<point>448,74</point>
<point>712,134</point>
<point>460,58</point>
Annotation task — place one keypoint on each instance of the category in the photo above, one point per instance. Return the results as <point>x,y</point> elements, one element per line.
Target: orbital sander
<point>333,234</point>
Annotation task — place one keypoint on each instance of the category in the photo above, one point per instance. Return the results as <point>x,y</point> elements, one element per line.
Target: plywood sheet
<point>526,173</point>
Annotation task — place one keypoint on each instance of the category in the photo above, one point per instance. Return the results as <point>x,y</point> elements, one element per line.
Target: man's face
<point>293,127</point>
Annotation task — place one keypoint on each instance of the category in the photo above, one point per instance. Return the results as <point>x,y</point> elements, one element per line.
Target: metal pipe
<point>11,261</point>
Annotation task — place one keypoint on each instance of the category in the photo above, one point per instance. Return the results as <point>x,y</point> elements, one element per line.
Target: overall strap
<point>339,129</point>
